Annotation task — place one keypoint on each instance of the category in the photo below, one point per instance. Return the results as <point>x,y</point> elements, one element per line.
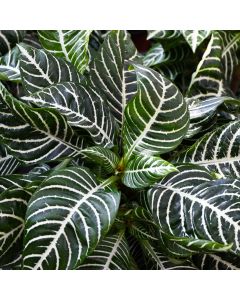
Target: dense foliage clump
<point>117,158</point>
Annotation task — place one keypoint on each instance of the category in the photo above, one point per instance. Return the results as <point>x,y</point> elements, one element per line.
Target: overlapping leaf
<point>78,212</point>
<point>72,45</point>
<point>158,261</point>
<point>36,135</point>
<point>156,120</point>
<point>13,206</point>
<point>158,55</point>
<point>195,37</point>
<point>83,107</point>
<point>207,80</point>
<point>102,156</point>
<point>218,150</point>
<point>231,43</point>
<point>9,66</point>
<point>163,34</point>
<point>41,69</point>
<point>9,38</point>
<point>8,163</point>
<point>209,211</point>
<point>112,253</point>
<point>108,74</point>
<point>217,261</point>
<point>142,171</point>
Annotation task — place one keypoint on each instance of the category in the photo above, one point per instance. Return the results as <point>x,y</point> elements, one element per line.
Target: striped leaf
<point>154,56</point>
<point>231,43</point>
<point>67,217</point>
<point>156,120</point>
<point>203,115</point>
<point>9,66</point>
<point>112,253</point>
<point>172,248</point>
<point>207,107</point>
<point>14,264</point>
<point>13,206</point>
<point>13,181</point>
<point>72,45</point>
<point>36,135</point>
<point>163,34</point>
<point>143,171</point>
<point>108,74</point>
<point>102,156</point>
<point>209,151</point>
<point>170,71</point>
<point>8,163</point>
<point>201,245</point>
<point>223,261</point>
<point>210,211</point>
<point>141,214</point>
<point>195,37</point>
<point>158,261</point>
<point>23,180</point>
<point>41,69</point>
<point>83,107</point>
<point>142,231</point>
<point>9,38</point>
<point>158,55</point>
<point>207,80</point>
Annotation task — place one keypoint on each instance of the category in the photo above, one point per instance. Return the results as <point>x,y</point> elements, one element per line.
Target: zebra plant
<point>112,159</point>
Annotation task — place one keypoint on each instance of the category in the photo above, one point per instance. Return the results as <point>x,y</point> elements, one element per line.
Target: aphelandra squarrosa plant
<point>114,159</point>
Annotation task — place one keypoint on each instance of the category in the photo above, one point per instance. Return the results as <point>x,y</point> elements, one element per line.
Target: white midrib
<point>68,218</point>
<point>217,161</point>
<point>103,133</point>
<point>224,262</point>
<point>29,57</point>
<point>146,129</point>
<point>231,44</point>
<point>104,157</point>
<point>194,39</point>
<point>113,251</point>
<point>150,169</point>
<point>204,204</point>
<point>61,40</point>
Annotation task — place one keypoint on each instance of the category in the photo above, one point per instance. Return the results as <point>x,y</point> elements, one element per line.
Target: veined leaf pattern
<point>195,37</point>
<point>111,254</point>
<point>36,135</point>
<point>78,212</point>
<point>109,73</point>
<point>69,44</point>
<point>156,120</point>
<point>41,69</point>
<point>83,107</point>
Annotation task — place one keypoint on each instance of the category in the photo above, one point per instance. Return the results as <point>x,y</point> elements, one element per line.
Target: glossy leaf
<point>207,80</point>
<point>102,156</point>
<point>109,74</point>
<point>78,212</point>
<point>156,120</point>
<point>36,135</point>
<point>195,37</point>
<point>41,69</point>
<point>83,107</point>
<point>143,171</point>
<point>112,253</point>
<point>217,151</point>
<point>9,38</point>
<point>209,211</point>
<point>13,206</point>
<point>163,34</point>
<point>72,45</point>
<point>9,66</point>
